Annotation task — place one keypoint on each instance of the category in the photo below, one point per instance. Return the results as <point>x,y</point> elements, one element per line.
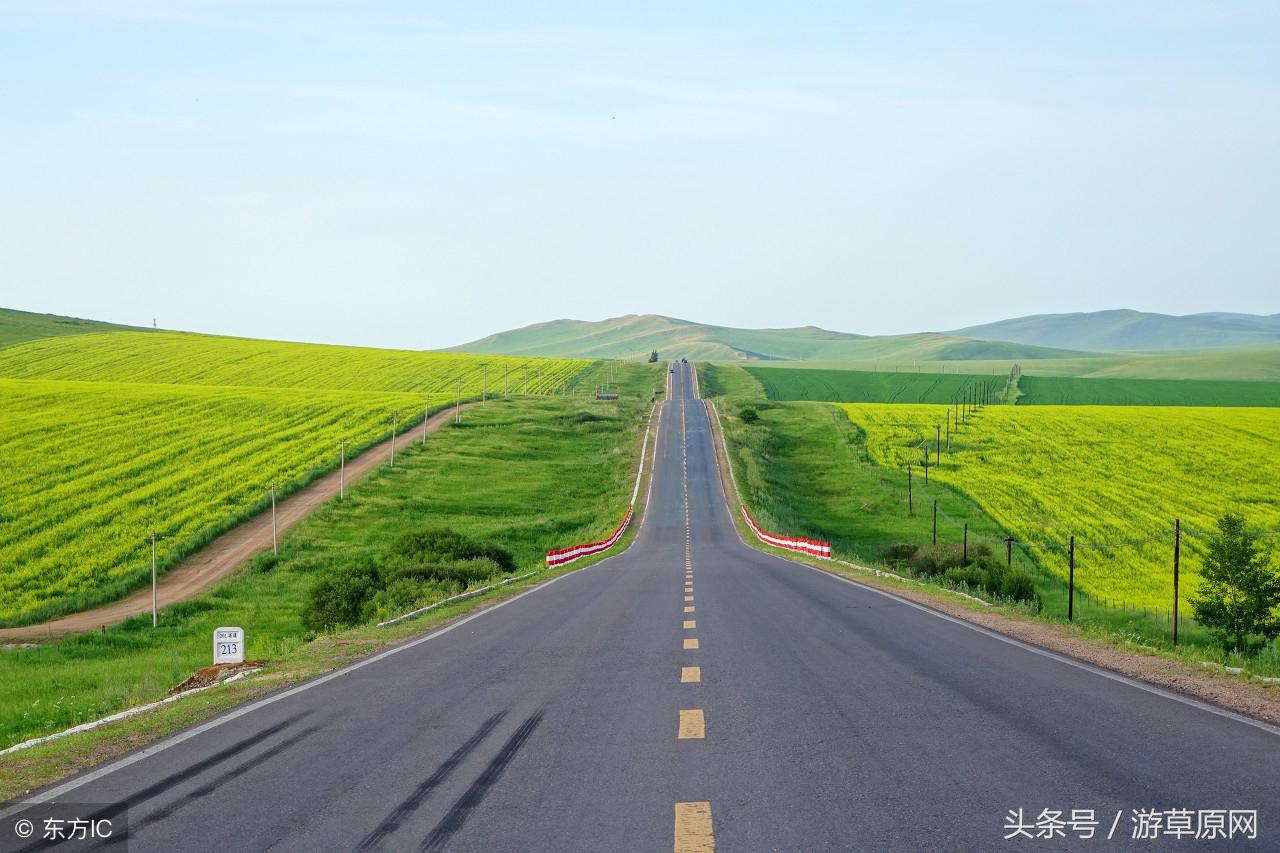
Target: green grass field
<point>853,386</point>
<point>1259,363</point>
<point>19,326</point>
<point>722,380</point>
<point>1059,390</point>
<point>1115,477</point>
<point>186,359</point>
<point>529,474</point>
<point>93,467</point>
<point>110,435</point>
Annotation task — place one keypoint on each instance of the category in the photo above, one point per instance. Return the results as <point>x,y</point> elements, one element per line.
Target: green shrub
<point>338,599</point>
<point>1009,582</point>
<point>933,560</point>
<point>970,576</point>
<point>465,572</point>
<point>424,547</point>
<point>748,415</point>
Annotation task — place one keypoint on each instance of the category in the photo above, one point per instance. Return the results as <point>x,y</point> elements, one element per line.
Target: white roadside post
<point>228,645</point>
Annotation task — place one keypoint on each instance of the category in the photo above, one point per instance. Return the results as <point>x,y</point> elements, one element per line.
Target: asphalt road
<point>821,716</point>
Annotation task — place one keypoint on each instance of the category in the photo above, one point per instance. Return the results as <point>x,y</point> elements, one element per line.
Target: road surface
<point>694,691</point>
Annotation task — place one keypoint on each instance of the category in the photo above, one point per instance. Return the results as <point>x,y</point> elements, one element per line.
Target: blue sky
<point>402,175</point>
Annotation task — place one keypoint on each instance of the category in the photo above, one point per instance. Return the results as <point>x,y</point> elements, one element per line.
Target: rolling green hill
<point>19,326</point>
<point>636,335</point>
<point>1132,330</point>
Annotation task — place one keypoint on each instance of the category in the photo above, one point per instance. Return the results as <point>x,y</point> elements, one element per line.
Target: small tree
<point>1241,590</point>
<point>653,357</point>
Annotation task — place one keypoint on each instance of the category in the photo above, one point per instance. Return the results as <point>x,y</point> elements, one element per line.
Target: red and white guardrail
<point>562,556</point>
<point>812,547</point>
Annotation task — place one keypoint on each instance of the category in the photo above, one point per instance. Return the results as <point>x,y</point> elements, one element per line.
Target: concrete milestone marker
<point>228,645</point>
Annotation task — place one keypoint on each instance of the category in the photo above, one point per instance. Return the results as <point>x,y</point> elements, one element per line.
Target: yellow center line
<point>690,674</point>
<point>688,608</point>
<point>689,623</point>
<point>693,828</point>
<point>692,725</point>
<point>691,643</point>
<point>688,598</point>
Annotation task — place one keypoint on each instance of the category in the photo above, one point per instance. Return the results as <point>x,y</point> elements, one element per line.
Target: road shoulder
<point>1190,678</point>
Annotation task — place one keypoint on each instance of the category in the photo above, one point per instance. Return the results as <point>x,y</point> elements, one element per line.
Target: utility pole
<point>948,429</point>
<point>342,469</point>
<point>938,440</point>
<point>1071,580</point>
<point>275,543</point>
<point>1008,551</point>
<point>394,416</point>
<point>935,521</point>
<point>910,505</point>
<point>1177,556</point>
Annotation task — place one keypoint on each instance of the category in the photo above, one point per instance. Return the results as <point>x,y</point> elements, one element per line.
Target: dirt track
<point>225,554</point>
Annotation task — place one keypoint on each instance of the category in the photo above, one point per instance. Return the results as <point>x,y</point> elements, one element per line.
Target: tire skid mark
<point>409,804</point>
<point>458,813</point>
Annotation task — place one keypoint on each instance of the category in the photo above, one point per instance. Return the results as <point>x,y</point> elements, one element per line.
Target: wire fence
<point>1037,551</point>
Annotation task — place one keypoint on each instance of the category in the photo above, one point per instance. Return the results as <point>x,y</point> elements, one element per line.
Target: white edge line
<point>996,635</point>
<point>235,713</point>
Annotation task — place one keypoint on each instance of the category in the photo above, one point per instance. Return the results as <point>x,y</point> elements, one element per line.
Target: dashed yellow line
<point>693,828</point>
<point>691,643</point>
<point>690,623</point>
<point>690,675</point>
<point>688,598</point>
<point>688,608</point>
<point>692,725</point>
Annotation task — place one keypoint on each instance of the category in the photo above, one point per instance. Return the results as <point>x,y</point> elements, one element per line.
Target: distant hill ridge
<point>636,335</point>
<point>1127,330</point>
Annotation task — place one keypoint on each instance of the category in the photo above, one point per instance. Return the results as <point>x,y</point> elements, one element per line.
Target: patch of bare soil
<point>214,674</point>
